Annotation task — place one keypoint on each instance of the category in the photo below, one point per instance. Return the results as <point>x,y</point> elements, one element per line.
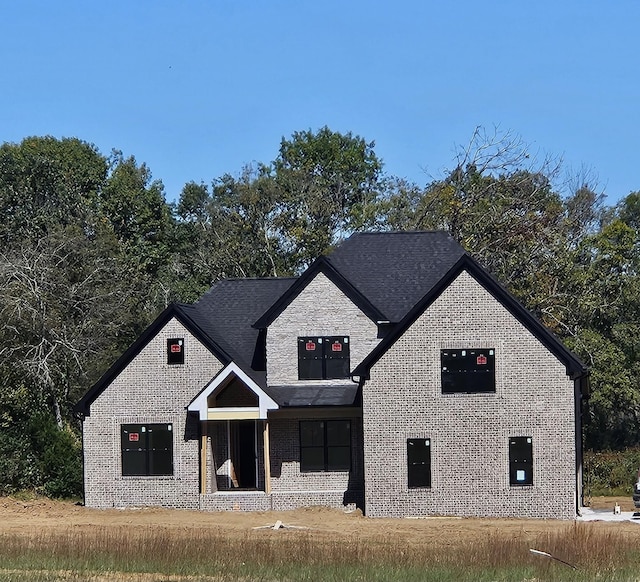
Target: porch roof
<point>200,403</point>
<point>315,395</point>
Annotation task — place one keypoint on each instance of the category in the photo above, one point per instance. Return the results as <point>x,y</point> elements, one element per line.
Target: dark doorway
<point>243,453</point>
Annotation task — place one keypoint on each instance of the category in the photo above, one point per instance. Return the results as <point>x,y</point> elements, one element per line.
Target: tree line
<point>91,252</point>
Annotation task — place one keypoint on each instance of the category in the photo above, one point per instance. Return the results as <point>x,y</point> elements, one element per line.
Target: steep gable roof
<point>383,273</point>
<point>394,270</point>
<point>391,276</point>
<point>179,311</point>
<point>321,265</point>
<point>221,320</point>
<point>575,368</point>
<point>229,308</point>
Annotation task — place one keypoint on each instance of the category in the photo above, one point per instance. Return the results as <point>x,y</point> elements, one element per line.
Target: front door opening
<point>243,453</point>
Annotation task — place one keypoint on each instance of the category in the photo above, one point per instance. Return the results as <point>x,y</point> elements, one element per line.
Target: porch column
<point>203,457</point>
<point>267,458</point>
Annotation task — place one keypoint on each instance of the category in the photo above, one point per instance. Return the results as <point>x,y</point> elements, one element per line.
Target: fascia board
<point>199,403</point>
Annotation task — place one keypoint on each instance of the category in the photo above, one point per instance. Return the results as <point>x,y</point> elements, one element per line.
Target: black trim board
<point>323,266</point>
<point>174,310</point>
<point>575,368</point>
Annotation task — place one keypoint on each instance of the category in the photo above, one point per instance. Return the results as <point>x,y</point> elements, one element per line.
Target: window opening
<point>323,358</point>
<point>147,449</point>
<point>325,445</point>
<point>468,371</point>
<point>175,351</point>
<point>419,463</point>
<point>520,461</point>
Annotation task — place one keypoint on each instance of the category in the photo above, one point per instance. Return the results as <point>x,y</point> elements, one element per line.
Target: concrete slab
<point>589,514</point>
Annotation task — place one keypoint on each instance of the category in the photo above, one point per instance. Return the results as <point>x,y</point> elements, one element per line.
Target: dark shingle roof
<point>389,275</point>
<point>384,273</point>
<point>228,309</point>
<point>344,395</point>
<point>394,270</point>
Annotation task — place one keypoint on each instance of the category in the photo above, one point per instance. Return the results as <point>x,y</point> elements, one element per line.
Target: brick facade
<point>469,432</point>
<point>148,390</point>
<point>320,310</point>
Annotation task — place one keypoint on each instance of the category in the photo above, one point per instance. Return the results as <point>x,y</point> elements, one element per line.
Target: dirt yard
<point>27,517</point>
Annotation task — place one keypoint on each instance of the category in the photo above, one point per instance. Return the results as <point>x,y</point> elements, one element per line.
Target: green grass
<point>148,555</point>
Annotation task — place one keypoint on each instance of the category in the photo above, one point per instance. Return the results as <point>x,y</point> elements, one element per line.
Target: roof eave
<point>83,407</point>
<point>574,367</point>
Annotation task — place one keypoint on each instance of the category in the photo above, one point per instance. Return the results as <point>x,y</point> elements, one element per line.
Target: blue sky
<point>196,89</point>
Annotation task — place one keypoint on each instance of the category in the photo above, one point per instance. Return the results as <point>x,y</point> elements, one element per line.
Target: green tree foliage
<point>56,292</point>
<point>45,182</point>
<point>68,267</point>
<point>135,206</point>
<point>605,287</point>
<point>275,219</point>
<point>329,185</point>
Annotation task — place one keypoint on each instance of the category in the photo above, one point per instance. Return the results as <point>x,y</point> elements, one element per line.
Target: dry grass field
<point>46,540</point>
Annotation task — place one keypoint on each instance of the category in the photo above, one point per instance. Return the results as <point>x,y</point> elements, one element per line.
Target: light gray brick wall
<point>469,432</point>
<point>285,461</point>
<point>278,501</point>
<point>148,390</point>
<point>290,488</point>
<point>321,309</point>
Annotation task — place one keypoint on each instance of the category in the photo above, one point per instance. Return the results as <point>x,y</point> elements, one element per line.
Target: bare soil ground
<point>43,515</point>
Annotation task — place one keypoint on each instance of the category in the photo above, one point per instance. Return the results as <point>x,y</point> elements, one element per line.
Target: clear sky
<point>196,89</point>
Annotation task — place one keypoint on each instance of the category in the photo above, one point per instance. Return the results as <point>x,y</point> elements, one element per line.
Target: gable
<point>320,266</point>
<point>465,316</point>
<point>178,313</point>
<point>231,374</point>
<point>320,309</point>
<point>148,382</point>
<point>574,367</point>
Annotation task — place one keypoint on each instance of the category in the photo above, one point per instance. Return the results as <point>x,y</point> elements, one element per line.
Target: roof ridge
<point>278,278</point>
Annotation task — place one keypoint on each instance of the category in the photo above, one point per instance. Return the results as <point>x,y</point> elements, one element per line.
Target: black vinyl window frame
<point>175,351</point>
<point>146,450</point>
<point>520,461</point>
<point>325,445</point>
<point>323,358</point>
<point>419,463</point>
<point>468,370</point>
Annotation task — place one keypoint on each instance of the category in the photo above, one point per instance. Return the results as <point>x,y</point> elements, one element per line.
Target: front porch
<point>250,451</point>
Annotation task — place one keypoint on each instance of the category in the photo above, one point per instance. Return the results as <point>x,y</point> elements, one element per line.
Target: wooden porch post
<point>203,457</point>
<point>267,458</point>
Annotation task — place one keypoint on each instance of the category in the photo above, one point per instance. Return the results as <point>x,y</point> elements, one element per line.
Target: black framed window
<point>419,463</point>
<point>468,370</point>
<point>325,445</point>
<point>147,449</point>
<point>175,350</point>
<point>520,461</point>
<point>323,358</point>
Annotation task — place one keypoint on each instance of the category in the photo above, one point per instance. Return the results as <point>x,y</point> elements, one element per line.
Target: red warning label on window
<point>176,348</point>
<point>310,346</point>
<point>481,360</point>
<point>336,347</point>
<point>134,437</point>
